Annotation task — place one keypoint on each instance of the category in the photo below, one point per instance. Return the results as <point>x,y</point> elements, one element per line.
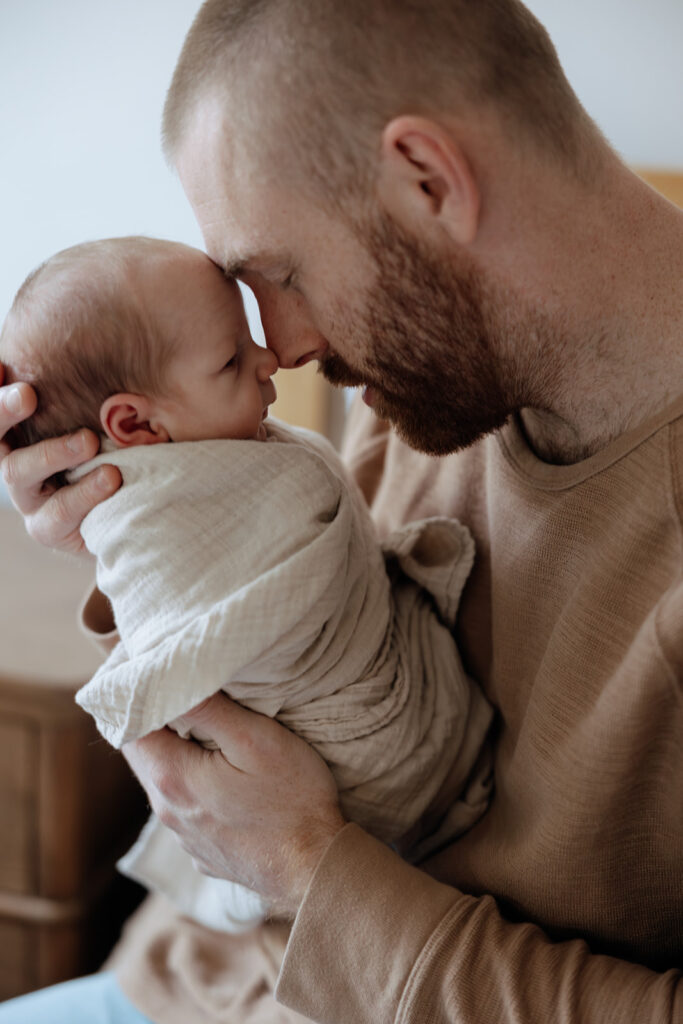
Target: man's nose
<point>289,329</point>
<point>294,352</point>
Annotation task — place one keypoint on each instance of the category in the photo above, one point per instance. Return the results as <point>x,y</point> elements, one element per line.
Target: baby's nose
<point>267,363</point>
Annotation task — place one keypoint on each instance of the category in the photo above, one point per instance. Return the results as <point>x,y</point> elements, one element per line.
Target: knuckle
<point>44,534</point>
<point>9,470</point>
<point>41,530</point>
<point>59,510</point>
<point>42,456</point>
<point>250,744</point>
<point>47,458</point>
<point>167,783</point>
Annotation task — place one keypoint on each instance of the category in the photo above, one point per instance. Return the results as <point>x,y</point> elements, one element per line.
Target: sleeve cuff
<point>363,922</point>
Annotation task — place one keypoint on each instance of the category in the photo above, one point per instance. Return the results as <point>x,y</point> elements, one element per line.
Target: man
<point>420,203</point>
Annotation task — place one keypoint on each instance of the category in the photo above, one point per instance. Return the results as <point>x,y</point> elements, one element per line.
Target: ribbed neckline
<point>550,477</point>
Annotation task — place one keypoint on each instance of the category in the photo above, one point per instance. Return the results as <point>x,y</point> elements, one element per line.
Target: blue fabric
<point>93,1000</point>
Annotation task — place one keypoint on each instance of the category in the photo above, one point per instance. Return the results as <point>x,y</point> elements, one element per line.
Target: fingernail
<point>75,443</point>
<point>13,401</point>
<point>102,481</point>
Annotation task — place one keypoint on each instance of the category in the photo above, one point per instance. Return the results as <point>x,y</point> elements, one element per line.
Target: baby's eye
<point>231,363</point>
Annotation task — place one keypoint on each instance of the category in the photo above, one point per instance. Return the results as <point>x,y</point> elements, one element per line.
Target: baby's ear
<point>125,420</point>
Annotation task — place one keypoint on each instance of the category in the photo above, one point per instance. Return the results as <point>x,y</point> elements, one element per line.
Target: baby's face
<point>219,382</point>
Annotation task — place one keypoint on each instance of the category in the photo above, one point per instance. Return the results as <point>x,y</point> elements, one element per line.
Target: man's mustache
<point>338,372</point>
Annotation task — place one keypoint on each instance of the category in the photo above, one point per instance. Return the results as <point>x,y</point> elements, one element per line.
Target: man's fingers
<point>26,469</point>
<point>243,736</point>
<point>261,811</point>
<point>57,522</point>
<point>53,517</point>
<point>160,760</point>
<point>17,403</point>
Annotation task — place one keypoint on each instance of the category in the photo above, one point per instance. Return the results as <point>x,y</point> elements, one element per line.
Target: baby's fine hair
<point>78,332</point>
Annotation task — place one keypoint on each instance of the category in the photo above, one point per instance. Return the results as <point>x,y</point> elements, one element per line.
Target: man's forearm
<point>379,940</point>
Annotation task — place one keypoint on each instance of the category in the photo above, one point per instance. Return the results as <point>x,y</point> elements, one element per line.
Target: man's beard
<point>426,342</point>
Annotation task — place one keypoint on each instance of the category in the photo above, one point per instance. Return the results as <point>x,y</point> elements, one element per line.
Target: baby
<point>239,557</point>
<point>140,339</point>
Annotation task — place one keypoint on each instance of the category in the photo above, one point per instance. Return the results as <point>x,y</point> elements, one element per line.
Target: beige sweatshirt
<point>565,903</point>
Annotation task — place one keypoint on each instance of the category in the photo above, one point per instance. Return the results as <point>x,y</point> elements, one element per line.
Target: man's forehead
<point>213,133</point>
<point>218,163</point>
<point>238,229</point>
<point>242,237</point>
<point>235,200</point>
<point>238,242</point>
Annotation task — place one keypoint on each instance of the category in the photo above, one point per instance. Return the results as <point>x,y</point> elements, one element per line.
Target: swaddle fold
<point>253,568</point>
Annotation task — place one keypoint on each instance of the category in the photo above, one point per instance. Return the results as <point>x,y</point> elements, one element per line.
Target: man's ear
<point>126,420</point>
<point>426,180</point>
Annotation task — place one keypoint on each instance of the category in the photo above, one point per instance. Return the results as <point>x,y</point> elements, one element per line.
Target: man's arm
<point>374,939</point>
<point>261,810</point>
<point>378,940</point>
<point>52,517</point>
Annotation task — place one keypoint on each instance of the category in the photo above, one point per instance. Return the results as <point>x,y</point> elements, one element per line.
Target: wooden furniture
<point>669,183</point>
<point>68,803</point>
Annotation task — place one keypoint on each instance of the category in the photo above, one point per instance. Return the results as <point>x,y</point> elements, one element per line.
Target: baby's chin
<point>262,432</point>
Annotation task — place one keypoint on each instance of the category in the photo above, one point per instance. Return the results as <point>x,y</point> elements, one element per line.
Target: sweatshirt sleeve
<point>377,940</point>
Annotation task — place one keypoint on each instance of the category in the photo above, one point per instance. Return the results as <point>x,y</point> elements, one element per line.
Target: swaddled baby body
<point>240,558</point>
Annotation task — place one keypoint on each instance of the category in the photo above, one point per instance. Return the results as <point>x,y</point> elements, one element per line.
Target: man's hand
<point>53,517</point>
<point>260,810</point>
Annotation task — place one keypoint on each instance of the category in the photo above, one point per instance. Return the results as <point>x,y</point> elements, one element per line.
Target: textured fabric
<point>254,568</point>
<point>184,973</point>
<point>565,902</point>
<point>94,1000</point>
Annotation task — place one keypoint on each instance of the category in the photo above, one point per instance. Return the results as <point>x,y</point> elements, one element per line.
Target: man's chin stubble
<point>422,422</point>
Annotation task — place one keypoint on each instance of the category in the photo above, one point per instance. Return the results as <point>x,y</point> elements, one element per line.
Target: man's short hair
<point>319,80</point>
<point>77,333</point>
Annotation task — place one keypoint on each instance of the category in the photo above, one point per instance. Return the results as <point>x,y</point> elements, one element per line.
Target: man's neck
<point>621,358</point>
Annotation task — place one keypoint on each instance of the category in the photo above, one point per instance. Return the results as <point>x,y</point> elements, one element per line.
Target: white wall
<point>624,59</point>
<point>82,85</point>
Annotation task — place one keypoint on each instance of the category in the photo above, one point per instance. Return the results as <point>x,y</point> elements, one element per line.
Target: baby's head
<point>142,339</point>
